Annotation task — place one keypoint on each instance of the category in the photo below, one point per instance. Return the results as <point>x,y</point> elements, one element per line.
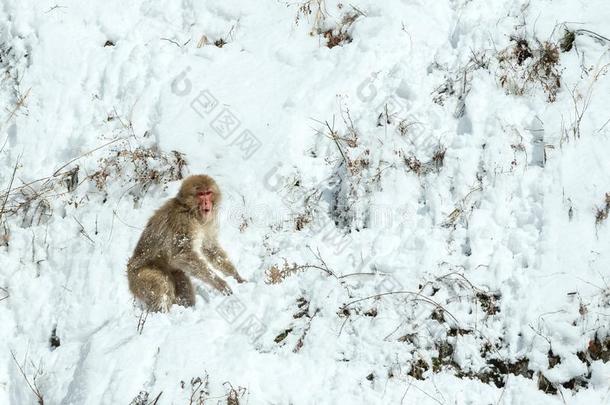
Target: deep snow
<point>491,251</point>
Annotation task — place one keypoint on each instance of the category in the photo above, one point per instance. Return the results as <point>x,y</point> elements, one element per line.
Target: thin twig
<point>428,395</point>
<point>55,7</point>
<point>172,41</point>
<point>85,154</point>
<point>156,399</point>
<point>5,292</point>
<point>591,33</point>
<point>18,105</point>
<point>9,186</point>
<point>32,385</point>
<point>420,297</point>
<point>334,137</point>
<point>83,231</point>
<point>142,321</point>
<point>319,257</point>
<point>301,340</point>
<point>362,274</point>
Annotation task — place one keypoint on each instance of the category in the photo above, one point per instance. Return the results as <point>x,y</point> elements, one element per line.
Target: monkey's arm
<point>219,259</point>
<point>193,265</point>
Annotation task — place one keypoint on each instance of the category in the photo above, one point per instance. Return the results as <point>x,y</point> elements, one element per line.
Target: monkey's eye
<point>204,193</point>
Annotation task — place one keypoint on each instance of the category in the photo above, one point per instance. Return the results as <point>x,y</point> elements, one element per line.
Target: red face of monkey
<point>206,202</point>
<point>201,194</point>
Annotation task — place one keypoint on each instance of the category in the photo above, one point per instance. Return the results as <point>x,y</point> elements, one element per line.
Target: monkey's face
<point>205,200</point>
<point>201,194</point>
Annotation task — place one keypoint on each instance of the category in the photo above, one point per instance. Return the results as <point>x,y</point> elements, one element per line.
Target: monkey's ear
<point>184,188</point>
<point>182,196</point>
<point>218,194</point>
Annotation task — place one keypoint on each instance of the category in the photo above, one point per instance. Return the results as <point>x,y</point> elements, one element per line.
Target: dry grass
<point>567,41</point>
<point>32,203</point>
<point>347,141</point>
<point>523,66</point>
<point>315,9</point>
<point>602,213</point>
<point>340,34</point>
<point>420,168</point>
<point>277,274</point>
<point>143,398</point>
<point>140,168</point>
<point>219,42</point>
<point>350,180</point>
<point>301,220</point>
<point>335,34</point>
<point>457,83</point>
<point>200,392</point>
<point>496,368</point>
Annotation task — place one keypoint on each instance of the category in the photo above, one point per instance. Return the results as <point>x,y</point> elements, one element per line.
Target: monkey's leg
<point>218,257</point>
<point>191,264</point>
<point>154,287</point>
<point>185,294</point>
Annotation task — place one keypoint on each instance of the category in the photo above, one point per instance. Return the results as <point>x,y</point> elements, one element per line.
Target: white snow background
<point>444,228</point>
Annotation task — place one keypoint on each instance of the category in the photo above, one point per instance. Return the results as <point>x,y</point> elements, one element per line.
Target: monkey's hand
<point>221,285</point>
<point>191,264</point>
<point>216,255</point>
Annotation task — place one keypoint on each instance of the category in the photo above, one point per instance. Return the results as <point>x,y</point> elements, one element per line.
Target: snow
<point>494,251</point>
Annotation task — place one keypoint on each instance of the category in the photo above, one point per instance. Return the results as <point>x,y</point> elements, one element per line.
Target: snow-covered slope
<point>416,192</point>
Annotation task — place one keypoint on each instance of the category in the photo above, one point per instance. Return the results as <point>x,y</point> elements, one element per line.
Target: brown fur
<point>179,241</point>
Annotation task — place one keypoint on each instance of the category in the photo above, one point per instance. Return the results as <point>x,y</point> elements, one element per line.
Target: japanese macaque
<point>180,240</point>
